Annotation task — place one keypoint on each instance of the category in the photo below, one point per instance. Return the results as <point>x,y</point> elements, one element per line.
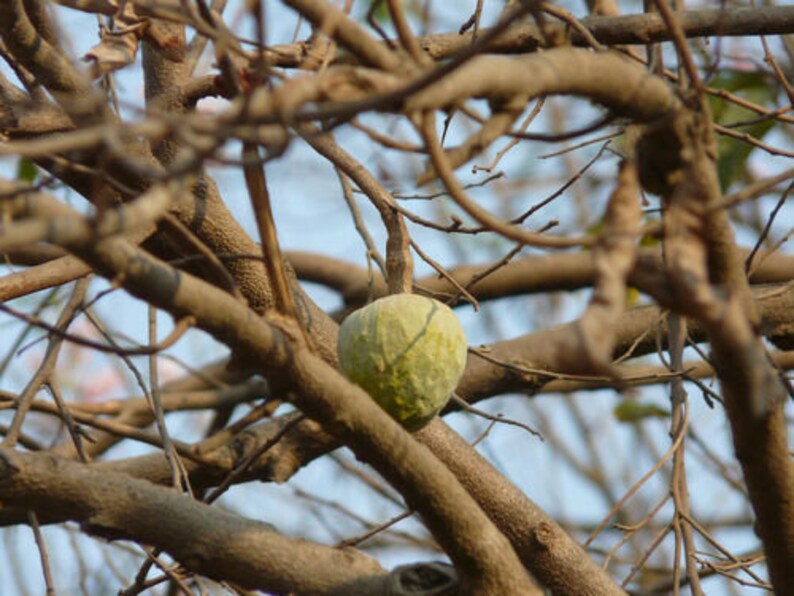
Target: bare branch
<point>204,539</point>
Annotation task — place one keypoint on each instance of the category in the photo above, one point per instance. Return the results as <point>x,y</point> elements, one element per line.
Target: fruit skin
<point>408,352</point>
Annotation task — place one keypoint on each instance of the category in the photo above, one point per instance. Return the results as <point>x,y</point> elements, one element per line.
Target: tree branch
<point>483,557</point>
<point>634,29</point>
<point>204,539</point>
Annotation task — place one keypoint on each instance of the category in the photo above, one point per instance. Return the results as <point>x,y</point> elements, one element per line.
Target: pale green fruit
<point>408,352</point>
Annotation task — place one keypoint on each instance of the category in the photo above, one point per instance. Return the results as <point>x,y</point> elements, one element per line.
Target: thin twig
<point>45,370</point>
<point>260,200</point>
<point>446,275</point>
<point>33,520</point>
<point>179,475</point>
<point>636,486</point>
<point>499,418</point>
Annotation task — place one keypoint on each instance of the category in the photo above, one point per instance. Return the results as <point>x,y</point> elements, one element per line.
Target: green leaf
<point>632,411</point>
<point>381,14</point>
<point>632,296</point>
<point>733,153</point>
<point>27,171</point>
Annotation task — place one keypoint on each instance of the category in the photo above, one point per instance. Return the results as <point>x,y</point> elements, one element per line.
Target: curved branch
<point>544,547</point>
<point>535,274</point>
<point>633,29</point>
<point>351,35</point>
<point>483,557</point>
<point>204,539</point>
<point>608,78</point>
<point>48,64</point>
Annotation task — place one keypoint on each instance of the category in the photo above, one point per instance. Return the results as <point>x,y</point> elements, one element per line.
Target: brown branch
<point>614,256</point>
<point>639,375</point>
<point>535,274</point>
<point>202,212</point>
<point>45,370</point>
<point>443,170</point>
<point>263,212</point>
<point>47,63</point>
<point>30,256</point>
<point>38,12</point>
<point>304,443</point>
<point>623,86</point>
<point>203,539</point>
<point>544,547</point>
<point>282,463</point>
<point>635,29</point>
<point>347,33</point>
<point>399,262</point>
<point>42,546</point>
<point>524,368</point>
<point>40,277</point>
<point>180,328</point>
<point>700,252</point>
<point>503,116</point>
<point>483,557</point>
<point>528,361</point>
<point>761,442</point>
<point>607,78</point>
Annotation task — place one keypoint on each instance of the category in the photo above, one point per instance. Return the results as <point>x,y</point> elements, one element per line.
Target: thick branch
<point>544,547</point>
<point>622,86</point>
<point>204,539</point>
<point>535,274</point>
<point>483,557</point>
<point>607,78</point>
<point>709,285</point>
<point>50,67</point>
<point>633,29</point>
<point>629,30</point>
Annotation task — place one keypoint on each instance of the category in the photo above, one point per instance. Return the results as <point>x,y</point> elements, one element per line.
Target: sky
<point>307,197</point>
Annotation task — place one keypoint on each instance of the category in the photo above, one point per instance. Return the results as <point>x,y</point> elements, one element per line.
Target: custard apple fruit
<point>408,352</point>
